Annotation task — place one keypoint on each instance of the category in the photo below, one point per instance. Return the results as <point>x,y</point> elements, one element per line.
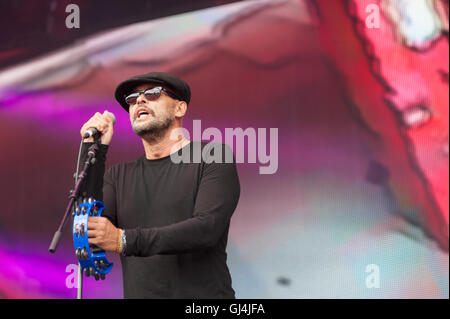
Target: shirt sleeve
<point>217,198</point>
<point>97,184</point>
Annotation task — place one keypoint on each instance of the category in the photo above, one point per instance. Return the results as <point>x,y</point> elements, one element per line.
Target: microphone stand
<point>74,194</point>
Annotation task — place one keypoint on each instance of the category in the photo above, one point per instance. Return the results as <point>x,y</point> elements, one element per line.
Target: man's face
<point>161,113</point>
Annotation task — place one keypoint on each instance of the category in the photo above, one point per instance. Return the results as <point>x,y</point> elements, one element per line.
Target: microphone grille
<point>111,115</point>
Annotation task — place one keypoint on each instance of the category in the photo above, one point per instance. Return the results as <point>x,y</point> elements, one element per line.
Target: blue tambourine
<point>92,258</point>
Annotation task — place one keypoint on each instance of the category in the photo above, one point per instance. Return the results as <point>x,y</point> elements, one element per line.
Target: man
<point>169,220</point>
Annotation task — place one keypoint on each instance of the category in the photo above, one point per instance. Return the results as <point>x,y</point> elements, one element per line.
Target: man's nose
<point>141,99</point>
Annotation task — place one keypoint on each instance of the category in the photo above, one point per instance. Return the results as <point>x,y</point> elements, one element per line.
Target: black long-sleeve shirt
<point>176,219</point>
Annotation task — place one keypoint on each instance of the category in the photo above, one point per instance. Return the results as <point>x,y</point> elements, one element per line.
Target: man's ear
<point>180,108</point>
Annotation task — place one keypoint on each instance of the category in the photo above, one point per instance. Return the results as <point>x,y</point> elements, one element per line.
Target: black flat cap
<point>171,81</point>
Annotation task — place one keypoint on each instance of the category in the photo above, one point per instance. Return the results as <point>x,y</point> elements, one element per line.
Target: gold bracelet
<point>119,242</point>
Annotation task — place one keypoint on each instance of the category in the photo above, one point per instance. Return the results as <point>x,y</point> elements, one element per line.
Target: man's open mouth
<point>142,113</point>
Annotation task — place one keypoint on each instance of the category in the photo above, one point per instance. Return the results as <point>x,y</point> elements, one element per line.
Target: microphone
<point>93,131</point>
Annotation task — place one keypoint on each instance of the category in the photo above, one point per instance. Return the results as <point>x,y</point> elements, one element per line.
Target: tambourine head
<point>92,259</point>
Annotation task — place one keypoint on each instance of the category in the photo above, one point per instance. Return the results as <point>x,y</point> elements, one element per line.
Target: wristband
<point>124,243</point>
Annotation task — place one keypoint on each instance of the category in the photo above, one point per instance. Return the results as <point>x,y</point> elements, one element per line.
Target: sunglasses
<point>151,94</point>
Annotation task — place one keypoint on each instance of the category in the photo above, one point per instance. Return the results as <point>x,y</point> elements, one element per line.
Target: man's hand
<point>104,123</point>
<point>102,233</point>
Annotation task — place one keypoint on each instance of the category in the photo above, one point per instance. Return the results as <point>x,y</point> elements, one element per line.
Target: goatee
<point>154,131</point>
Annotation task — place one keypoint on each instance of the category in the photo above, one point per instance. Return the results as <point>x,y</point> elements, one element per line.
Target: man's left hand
<point>102,233</point>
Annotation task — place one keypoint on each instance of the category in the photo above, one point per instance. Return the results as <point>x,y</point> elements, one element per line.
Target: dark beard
<point>156,131</point>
